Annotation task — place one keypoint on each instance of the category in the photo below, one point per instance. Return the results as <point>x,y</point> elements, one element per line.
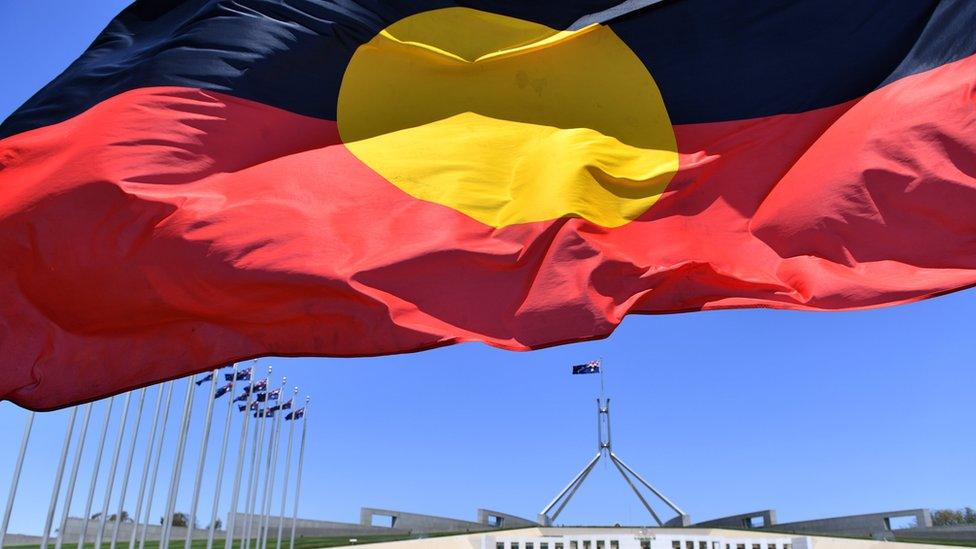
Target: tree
<point>953,517</point>
<point>125,517</point>
<point>179,519</point>
<point>217,524</point>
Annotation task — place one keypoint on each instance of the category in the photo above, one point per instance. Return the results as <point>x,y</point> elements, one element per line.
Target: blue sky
<point>813,414</point>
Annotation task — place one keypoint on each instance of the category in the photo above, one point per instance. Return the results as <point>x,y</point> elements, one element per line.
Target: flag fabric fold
<point>219,180</point>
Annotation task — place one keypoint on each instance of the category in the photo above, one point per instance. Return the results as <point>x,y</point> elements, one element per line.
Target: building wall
<point>868,525</point>
<point>73,526</point>
<point>418,523</point>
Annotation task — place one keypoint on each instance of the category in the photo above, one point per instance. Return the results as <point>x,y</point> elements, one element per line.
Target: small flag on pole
<point>273,395</point>
<point>204,379</point>
<point>258,387</point>
<point>297,414</point>
<point>241,397</point>
<point>221,391</point>
<point>253,406</point>
<point>286,405</point>
<point>242,375</point>
<point>591,367</point>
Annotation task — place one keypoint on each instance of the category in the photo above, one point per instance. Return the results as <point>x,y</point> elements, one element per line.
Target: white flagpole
<point>239,468</point>
<point>256,471</point>
<point>145,467</point>
<point>284,483</point>
<point>49,521</point>
<point>252,475</point>
<point>203,457</point>
<point>220,463</point>
<point>16,479</point>
<point>111,473</point>
<point>174,481</point>
<point>155,471</point>
<point>298,476</point>
<point>272,465</point>
<point>128,470</point>
<point>98,463</point>
<point>73,476</point>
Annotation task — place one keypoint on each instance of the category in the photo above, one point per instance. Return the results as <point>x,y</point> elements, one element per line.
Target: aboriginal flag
<point>216,180</point>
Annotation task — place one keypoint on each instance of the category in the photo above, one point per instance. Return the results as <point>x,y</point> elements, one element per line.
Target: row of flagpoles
<point>259,403</point>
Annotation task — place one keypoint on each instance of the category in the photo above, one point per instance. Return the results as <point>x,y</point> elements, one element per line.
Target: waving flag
<point>591,367</point>
<point>215,180</point>
<point>258,387</point>
<point>297,414</point>
<point>242,375</point>
<point>204,379</point>
<point>221,391</point>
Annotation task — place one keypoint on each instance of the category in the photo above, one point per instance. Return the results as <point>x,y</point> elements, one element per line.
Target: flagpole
<point>49,521</point>
<point>155,471</point>
<point>272,465</point>
<point>145,467</point>
<point>252,474</point>
<point>174,481</point>
<point>284,484</point>
<point>94,480</point>
<point>111,473</point>
<point>220,463</point>
<point>298,476</point>
<point>239,468</point>
<point>16,479</point>
<point>73,476</point>
<point>203,456</point>
<point>128,470</point>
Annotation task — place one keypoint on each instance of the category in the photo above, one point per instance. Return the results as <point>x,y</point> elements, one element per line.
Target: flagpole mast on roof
<point>605,449</point>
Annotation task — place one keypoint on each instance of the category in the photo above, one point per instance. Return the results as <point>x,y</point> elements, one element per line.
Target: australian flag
<point>267,412</point>
<point>204,379</point>
<point>222,391</point>
<point>258,387</point>
<point>254,406</point>
<point>286,405</point>
<point>591,367</point>
<point>242,397</point>
<point>273,395</point>
<point>243,374</point>
<point>297,414</point>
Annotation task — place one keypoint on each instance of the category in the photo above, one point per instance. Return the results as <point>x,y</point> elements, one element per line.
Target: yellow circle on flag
<point>509,121</point>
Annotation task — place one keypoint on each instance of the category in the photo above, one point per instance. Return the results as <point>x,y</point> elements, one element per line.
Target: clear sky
<point>812,414</point>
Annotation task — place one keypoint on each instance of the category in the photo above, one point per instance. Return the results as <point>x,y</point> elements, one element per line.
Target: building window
<point>675,544</point>
<point>514,545</point>
<point>756,546</point>
<point>559,545</point>
<point>574,545</point>
<point>740,546</point>
<point>645,544</point>
<point>499,545</point>
<point>690,544</point>
<point>614,544</point>
<point>529,545</point>
<point>543,545</point>
<point>600,544</point>
<point>771,546</point>
<point>702,545</point>
<point>586,544</point>
<point>787,546</point>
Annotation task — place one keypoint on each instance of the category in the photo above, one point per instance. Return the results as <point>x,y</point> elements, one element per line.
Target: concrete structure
<point>72,529</point>
<point>417,523</point>
<point>494,519</point>
<point>11,540</point>
<point>639,538</point>
<point>309,528</point>
<point>757,519</point>
<point>867,525</point>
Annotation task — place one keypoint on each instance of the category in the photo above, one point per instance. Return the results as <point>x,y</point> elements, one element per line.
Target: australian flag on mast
<point>243,374</point>
<point>297,414</point>
<point>258,387</point>
<point>591,367</point>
